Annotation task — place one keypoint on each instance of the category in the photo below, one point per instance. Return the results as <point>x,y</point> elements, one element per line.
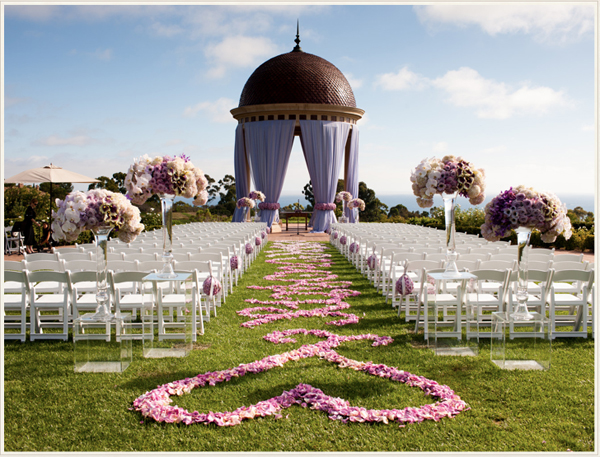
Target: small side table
<point>445,330</point>
<point>532,352</point>
<point>96,349</point>
<point>167,325</point>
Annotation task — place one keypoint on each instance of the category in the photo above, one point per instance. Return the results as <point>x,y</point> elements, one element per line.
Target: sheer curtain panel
<point>242,186</point>
<point>324,144</point>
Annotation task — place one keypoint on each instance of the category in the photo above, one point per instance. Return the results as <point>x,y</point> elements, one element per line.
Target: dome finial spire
<point>297,40</point>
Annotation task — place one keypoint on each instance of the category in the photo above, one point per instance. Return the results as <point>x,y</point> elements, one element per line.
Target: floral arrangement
<point>356,203</point>
<point>373,262</point>
<point>257,241</point>
<point>447,176</point>
<point>343,240</point>
<point>525,207</point>
<point>214,283</point>
<point>269,206</point>
<point>234,262</point>
<point>257,195</point>
<point>268,230</point>
<point>249,249</point>
<point>245,201</point>
<point>165,175</point>
<point>156,404</point>
<point>335,235</point>
<point>354,247</point>
<point>263,234</point>
<point>343,195</point>
<point>81,211</point>
<point>325,207</point>
<point>404,285</point>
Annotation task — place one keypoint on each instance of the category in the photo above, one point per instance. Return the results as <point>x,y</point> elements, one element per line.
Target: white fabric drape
<point>351,184</point>
<point>242,186</point>
<point>268,146</point>
<point>324,145</point>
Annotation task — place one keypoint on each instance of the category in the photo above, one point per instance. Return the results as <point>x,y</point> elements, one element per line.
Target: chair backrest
<point>467,265</point>
<point>63,277</point>
<point>497,265</point>
<point>502,277</point>
<point>81,265</point>
<point>52,265</point>
<point>40,256</point>
<point>203,266</point>
<point>68,256</point>
<point>115,256</point>
<point>13,265</point>
<point>545,277</point>
<point>479,256</point>
<point>485,250</point>
<point>82,276</point>
<point>418,265</point>
<point>584,277</point>
<point>141,257</point>
<point>124,250</point>
<point>559,258</point>
<point>151,265</point>
<point>19,277</point>
<point>560,266</point>
<point>123,265</point>
<point>435,256</point>
<point>406,256</point>
<point>509,257</point>
<point>539,265</point>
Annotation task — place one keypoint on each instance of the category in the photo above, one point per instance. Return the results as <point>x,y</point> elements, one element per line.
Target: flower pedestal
<point>521,313</point>
<point>451,270</point>
<point>532,352</point>
<point>166,206</point>
<point>343,217</point>
<point>169,324</point>
<point>96,349</point>
<point>444,317</point>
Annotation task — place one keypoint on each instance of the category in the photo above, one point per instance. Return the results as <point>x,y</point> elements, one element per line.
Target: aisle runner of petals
<point>156,403</point>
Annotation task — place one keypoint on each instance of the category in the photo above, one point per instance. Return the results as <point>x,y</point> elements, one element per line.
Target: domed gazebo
<point>296,94</point>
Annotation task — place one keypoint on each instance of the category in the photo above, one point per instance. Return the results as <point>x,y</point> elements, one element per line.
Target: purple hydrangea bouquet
<point>245,202</point>
<point>257,195</point>
<point>523,209</point>
<point>100,211</point>
<point>358,205</point>
<point>449,177</point>
<point>167,177</point>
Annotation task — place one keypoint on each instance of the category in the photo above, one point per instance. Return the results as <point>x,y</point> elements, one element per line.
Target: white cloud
<point>403,80</point>
<point>55,140</point>
<point>217,110</point>
<point>238,52</point>
<point>496,100</point>
<point>166,30</point>
<point>440,147</point>
<point>354,82</point>
<point>100,54</point>
<point>546,22</point>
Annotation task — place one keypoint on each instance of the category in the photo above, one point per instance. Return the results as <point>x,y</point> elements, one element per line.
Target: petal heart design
<point>156,403</point>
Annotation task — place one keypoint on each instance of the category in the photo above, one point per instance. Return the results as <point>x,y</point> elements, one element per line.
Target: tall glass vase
<point>257,212</point>
<point>166,205</point>
<point>344,218</point>
<point>245,211</point>
<point>355,212</point>
<point>102,295</point>
<point>521,312</point>
<point>451,270</point>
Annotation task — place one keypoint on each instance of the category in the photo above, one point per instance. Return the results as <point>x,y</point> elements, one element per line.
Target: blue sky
<point>509,87</point>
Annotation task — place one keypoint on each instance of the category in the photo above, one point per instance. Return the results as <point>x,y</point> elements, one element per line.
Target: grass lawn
<point>48,407</point>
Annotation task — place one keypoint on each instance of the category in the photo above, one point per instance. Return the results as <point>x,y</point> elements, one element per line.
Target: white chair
<point>13,242</point>
<point>55,303</point>
<point>436,256</point>
<point>40,256</point>
<point>204,269</point>
<point>411,301</point>
<point>142,258</point>
<point>564,305</point>
<point>13,287</point>
<point>480,257</point>
<point>558,257</point>
<point>15,306</point>
<point>46,265</point>
<point>75,255</point>
<point>538,293</point>
<point>125,300</point>
<point>83,297</point>
<point>507,257</point>
<point>480,303</point>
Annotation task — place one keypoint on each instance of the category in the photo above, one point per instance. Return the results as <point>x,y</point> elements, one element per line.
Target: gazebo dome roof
<point>297,77</point>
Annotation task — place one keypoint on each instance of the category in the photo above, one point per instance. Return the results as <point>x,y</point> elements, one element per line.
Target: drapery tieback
<point>269,206</point>
<point>325,206</point>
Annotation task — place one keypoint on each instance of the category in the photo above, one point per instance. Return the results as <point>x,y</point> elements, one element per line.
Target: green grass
<point>48,407</point>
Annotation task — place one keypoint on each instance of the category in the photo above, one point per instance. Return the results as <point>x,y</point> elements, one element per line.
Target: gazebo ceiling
<point>297,77</point>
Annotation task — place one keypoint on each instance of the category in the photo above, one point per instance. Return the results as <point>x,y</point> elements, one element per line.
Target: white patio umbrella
<point>49,173</point>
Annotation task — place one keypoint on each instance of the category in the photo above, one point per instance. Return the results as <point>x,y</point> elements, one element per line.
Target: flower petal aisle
<point>308,263</point>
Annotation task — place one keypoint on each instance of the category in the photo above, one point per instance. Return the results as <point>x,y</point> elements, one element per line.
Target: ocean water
<point>586,201</point>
